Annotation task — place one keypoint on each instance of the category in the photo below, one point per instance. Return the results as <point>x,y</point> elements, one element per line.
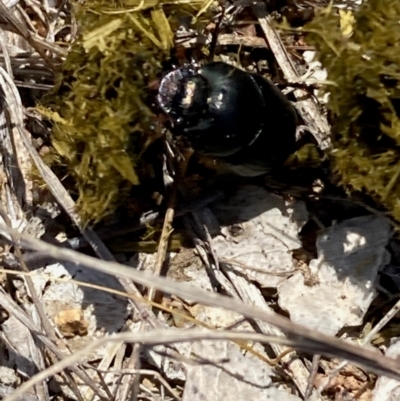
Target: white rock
<point>350,255</point>
<point>265,231</point>
<point>385,388</point>
<point>229,376</point>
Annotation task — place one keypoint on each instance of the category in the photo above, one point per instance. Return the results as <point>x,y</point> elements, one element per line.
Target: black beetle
<point>231,114</point>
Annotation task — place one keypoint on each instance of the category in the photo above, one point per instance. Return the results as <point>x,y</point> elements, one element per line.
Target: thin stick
<point>25,33</point>
<point>168,219</point>
<point>316,122</point>
<point>306,339</point>
<point>366,340</point>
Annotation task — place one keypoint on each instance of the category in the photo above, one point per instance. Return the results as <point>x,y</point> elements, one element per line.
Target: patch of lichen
<point>364,102</point>
<point>102,122</point>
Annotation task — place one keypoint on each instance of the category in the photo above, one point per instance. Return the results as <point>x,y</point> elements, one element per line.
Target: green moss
<point>102,122</point>
<point>364,103</point>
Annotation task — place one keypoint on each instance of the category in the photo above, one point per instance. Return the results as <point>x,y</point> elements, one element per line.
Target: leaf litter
<point>252,255</point>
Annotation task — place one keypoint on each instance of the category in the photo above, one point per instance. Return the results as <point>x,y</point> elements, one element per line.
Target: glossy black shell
<point>231,114</point>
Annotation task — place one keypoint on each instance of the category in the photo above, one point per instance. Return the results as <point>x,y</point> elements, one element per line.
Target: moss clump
<point>102,123</point>
<point>365,102</point>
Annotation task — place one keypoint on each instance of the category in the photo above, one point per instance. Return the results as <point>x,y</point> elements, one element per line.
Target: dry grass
<point>34,40</point>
